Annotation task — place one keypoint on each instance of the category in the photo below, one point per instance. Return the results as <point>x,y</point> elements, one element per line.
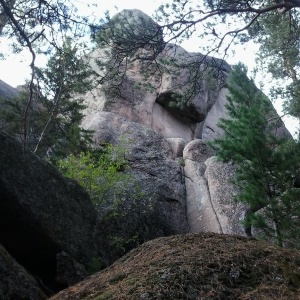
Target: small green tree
<point>54,117</point>
<point>100,172</point>
<point>267,165</point>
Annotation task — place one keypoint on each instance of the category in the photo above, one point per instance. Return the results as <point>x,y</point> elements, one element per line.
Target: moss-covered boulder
<point>196,266</point>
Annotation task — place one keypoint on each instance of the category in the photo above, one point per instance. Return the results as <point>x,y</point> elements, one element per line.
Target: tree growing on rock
<point>267,164</point>
<point>274,25</point>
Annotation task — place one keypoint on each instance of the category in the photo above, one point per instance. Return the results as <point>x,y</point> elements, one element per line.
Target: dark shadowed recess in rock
<point>25,241</point>
<point>185,112</point>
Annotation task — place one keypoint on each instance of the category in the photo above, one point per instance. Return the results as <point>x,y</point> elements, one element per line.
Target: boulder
<point>41,213</point>
<point>201,213</point>
<point>159,178</point>
<point>197,150</point>
<point>200,210</point>
<point>68,270</point>
<point>177,145</point>
<point>165,101</point>
<point>230,213</point>
<point>15,281</point>
<point>210,193</point>
<point>196,266</point>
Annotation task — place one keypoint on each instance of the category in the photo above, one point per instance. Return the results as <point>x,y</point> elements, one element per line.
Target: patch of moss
<point>117,277</point>
<point>197,266</point>
<point>104,296</point>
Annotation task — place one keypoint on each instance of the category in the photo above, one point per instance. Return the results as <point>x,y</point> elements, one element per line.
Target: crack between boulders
<point>212,205</point>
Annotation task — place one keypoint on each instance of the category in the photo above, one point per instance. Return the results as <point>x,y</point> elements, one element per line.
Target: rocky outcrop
<point>48,223</point>
<point>7,91</point>
<point>167,114</point>
<point>210,193</point>
<point>159,178</point>
<point>200,211</point>
<point>15,281</point>
<point>196,266</point>
<point>173,103</point>
<point>41,213</point>
<point>229,213</point>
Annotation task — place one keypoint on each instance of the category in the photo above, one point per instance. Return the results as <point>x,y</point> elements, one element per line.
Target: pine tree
<point>56,112</point>
<point>267,165</point>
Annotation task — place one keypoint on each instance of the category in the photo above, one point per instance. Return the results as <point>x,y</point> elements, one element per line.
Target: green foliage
<point>94,265</point>
<point>125,217</point>
<point>267,165</point>
<point>278,36</point>
<point>99,172</point>
<point>54,116</point>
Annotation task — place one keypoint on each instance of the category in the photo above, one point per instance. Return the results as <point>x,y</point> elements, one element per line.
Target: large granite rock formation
<point>159,178</point>
<point>42,213</point>
<point>167,124</point>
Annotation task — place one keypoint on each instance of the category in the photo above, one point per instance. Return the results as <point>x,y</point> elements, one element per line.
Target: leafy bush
<point>100,172</point>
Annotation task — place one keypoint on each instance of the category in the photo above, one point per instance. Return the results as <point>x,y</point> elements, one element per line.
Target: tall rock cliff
<point>167,113</point>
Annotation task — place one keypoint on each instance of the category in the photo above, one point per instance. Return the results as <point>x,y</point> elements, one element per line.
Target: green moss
<point>117,277</point>
<point>105,295</point>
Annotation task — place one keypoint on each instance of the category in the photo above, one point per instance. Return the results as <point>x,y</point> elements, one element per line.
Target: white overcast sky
<point>15,69</point>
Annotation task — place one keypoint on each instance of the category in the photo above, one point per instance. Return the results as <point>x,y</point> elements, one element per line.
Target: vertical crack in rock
<point>213,207</point>
<point>200,212</point>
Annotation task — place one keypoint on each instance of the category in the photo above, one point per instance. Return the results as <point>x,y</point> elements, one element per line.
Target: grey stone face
<point>41,213</point>
<point>15,281</point>
<point>168,127</point>
<point>7,91</point>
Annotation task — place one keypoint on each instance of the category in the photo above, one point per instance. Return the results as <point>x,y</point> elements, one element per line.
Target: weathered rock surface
<point>68,270</point>
<point>200,210</point>
<point>170,112</point>
<point>196,266</point>
<point>49,225</point>
<point>229,213</point>
<point>158,108</point>
<point>160,179</point>
<point>41,213</point>
<point>177,145</point>
<point>7,91</point>
<point>210,194</point>
<point>15,281</point>
<point>210,128</point>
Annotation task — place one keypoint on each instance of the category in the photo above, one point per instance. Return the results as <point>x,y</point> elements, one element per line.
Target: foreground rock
<point>42,213</point>
<point>196,266</point>
<point>15,281</point>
